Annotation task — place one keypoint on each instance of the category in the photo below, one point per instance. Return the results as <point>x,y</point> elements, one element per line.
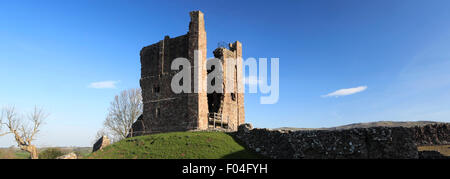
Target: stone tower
<point>166,111</point>
<point>229,104</point>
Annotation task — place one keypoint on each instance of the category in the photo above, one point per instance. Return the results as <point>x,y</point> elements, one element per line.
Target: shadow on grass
<point>243,154</point>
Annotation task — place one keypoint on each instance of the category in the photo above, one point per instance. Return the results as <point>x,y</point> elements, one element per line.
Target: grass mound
<point>176,145</point>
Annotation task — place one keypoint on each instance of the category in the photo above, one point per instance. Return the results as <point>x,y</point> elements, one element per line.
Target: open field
<point>15,153</point>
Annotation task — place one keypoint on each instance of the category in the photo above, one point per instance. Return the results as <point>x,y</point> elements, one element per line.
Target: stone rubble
<point>101,143</point>
<point>68,156</point>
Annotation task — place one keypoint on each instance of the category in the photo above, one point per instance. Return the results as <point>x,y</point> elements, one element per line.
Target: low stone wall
<point>357,143</point>
<point>432,134</point>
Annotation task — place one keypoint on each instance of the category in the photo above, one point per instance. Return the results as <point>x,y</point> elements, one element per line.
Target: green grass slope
<point>176,145</point>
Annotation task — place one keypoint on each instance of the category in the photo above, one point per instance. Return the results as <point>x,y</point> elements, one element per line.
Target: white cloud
<point>103,84</point>
<point>346,91</point>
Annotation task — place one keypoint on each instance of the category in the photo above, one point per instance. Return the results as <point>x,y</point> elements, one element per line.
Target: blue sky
<point>51,52</point>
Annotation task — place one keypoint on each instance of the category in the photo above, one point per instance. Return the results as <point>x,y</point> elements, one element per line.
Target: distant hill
<point>366,125</point>
<point>176,145</point>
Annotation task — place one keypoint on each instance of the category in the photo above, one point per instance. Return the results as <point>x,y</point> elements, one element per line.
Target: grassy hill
<point>176,145</point>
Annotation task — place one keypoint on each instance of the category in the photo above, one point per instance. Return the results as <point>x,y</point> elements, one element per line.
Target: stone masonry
<point>101,143</point>
<point>356,143</point>
<point>166,111</point>
<point>229,104</point>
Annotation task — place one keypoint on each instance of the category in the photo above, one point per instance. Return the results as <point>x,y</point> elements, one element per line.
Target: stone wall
<point>164,110</point>
<point>160,102</point>
<point>198,101</point>
<point>371,143</point>
<point>432,134</point>
<point>101,143</point>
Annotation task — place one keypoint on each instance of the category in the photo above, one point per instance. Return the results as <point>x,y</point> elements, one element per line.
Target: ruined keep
<point>165,110</point>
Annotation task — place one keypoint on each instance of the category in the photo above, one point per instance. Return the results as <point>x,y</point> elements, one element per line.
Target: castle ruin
<point>165,110</point>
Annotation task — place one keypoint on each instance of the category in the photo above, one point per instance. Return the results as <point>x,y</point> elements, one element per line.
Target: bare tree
<point>123,112</point>
<point>24,131</point>
<point>2,115</point>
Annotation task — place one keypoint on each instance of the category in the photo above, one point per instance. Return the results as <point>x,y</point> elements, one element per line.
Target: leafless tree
<point>24,131</point>
<point>1,123</point>
<point>123,112</point>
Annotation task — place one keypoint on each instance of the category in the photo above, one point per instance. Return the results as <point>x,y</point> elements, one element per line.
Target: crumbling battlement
<point>374,142</point>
